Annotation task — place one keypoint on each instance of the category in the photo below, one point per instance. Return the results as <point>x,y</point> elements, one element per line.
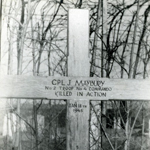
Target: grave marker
<point>78,90</point>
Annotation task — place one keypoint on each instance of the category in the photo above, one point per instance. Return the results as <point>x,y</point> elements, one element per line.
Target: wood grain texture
<point>39,87</point>
<point>78,43</point>
<point>78,65</point>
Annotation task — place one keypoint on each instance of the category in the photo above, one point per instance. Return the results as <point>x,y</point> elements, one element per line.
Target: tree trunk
<point>95,59</point>
<point>20,43</point>
<point>133,42</point>
<point>103,64</point>
<point>146,13</point>
<point>104,37</point>
<point>35,125</point>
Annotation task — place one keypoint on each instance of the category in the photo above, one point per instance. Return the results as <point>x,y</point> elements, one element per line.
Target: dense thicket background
<point>34,42</point>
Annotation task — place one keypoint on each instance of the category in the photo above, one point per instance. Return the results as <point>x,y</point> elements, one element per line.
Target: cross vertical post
<point>78,65</point>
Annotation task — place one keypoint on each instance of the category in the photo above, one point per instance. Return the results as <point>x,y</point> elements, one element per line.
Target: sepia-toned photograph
<point>74,75</point>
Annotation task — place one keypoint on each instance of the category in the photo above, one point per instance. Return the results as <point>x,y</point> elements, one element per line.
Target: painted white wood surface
<point>78,43</point>
<point>78,65</point>
<point>52,87</point>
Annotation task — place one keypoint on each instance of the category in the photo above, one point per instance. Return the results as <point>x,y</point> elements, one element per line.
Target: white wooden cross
<point>77,88</point>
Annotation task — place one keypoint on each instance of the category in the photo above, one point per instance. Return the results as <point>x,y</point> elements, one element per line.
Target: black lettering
<point>79,93</point>
<point>54,82</point>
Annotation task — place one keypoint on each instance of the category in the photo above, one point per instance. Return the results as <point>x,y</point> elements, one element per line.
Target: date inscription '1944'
<point>77,107</point>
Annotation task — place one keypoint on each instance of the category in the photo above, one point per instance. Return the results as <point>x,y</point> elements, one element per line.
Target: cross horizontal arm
<point>74,88</point>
